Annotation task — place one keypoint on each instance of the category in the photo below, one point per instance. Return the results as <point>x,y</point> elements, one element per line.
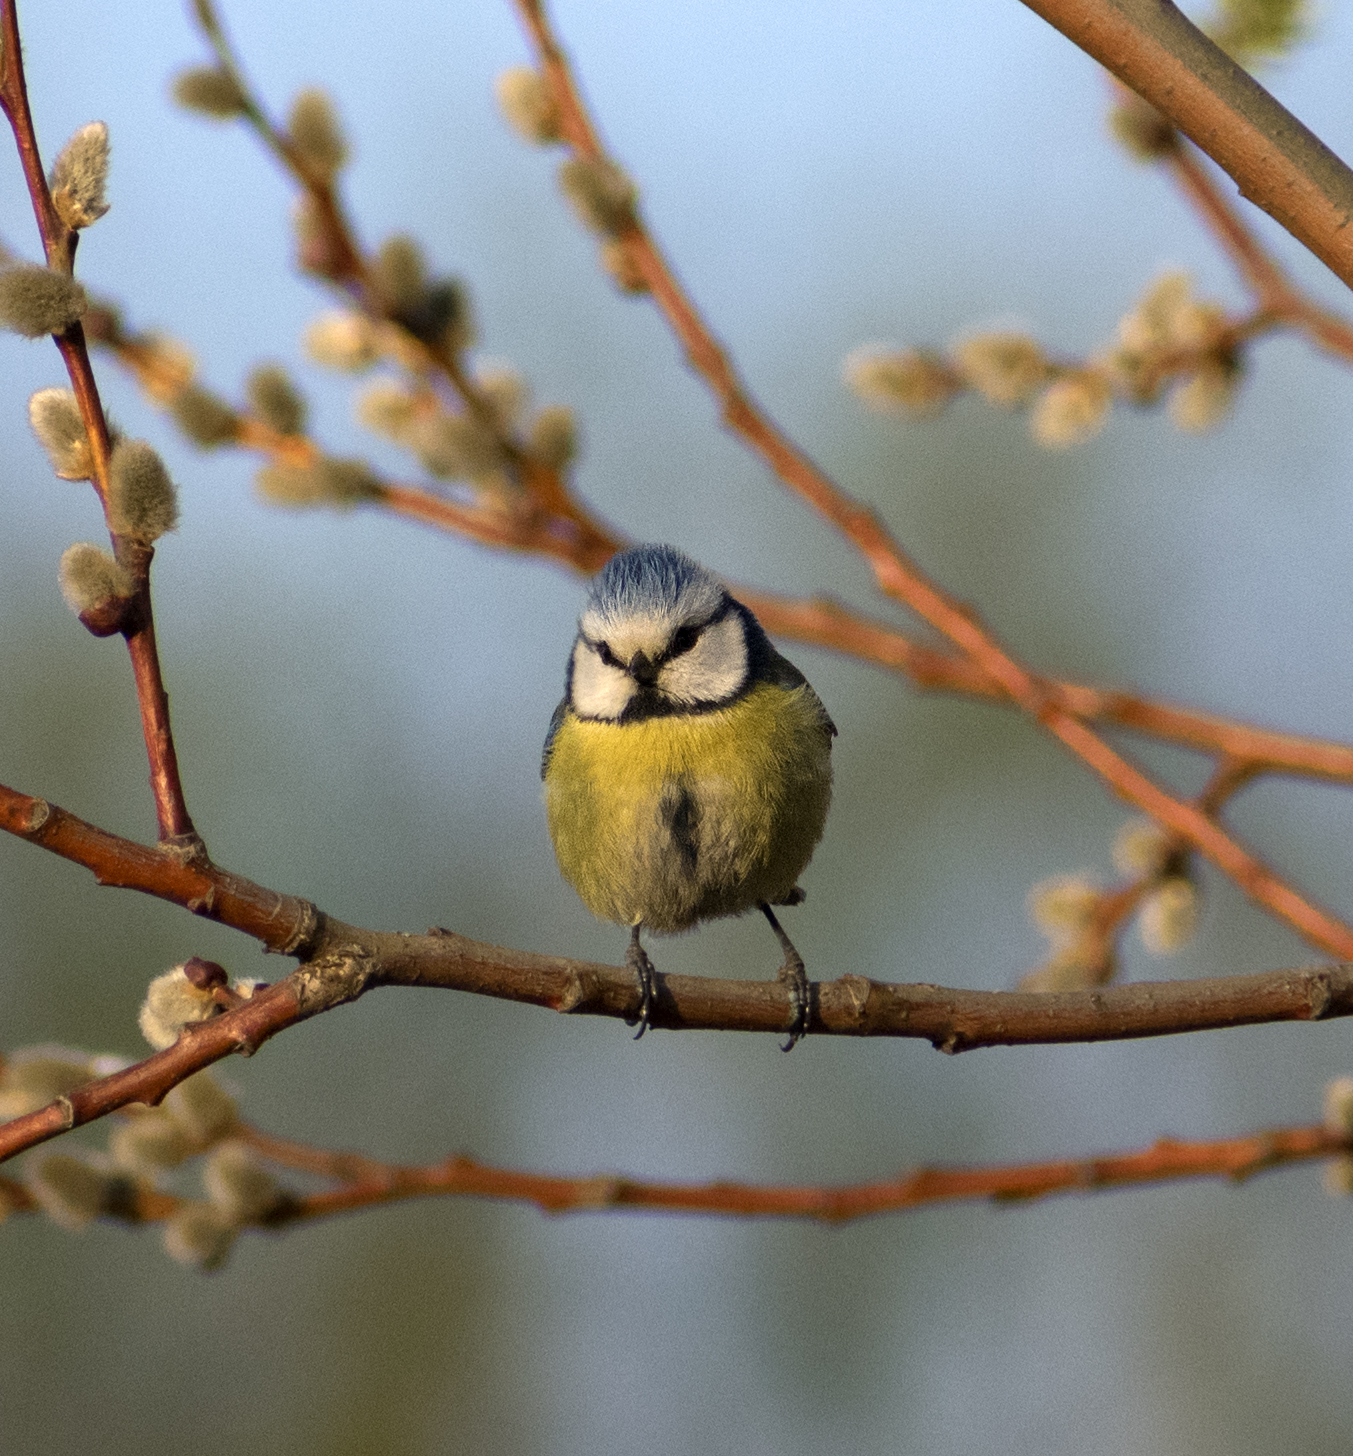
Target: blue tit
<point>688,769</point>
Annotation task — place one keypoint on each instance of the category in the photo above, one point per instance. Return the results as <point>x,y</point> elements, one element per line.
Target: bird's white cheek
<point>713,670</point>
<point>599,691</point>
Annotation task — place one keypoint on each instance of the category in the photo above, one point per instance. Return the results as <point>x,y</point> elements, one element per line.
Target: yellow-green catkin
<point>1204,399</point>
<point>202,1107</point>
<point>142,502</point>
<point>1169,916</point>
<point>388,408</point>
<point>328,482</point>
<point>618,259</point>
<point>239,1185</point>
<point>1071,410</point>
<point>1140,847</point>
<point>900,381</point>
<point>276,400</point>
<point>1063,906</point>
<point>553,437</point>
<point>400,272</point>
<point>1145,133</point>
<point>70,1191</point>
<point>173,1002</point>
<point>79,176</point>
<point>342,340</point>
<point>36,301</point>
<point>34,1076</point>
<point>454,447</point>
<point>505,391</point>
<point>315,133</point>
<point>90,578</point>
<point>209,91</point>
<point>601,194</point>
<point>200,1236</point>
<point>148,1142</point>
<point>1007,369</point>
<point>1338,1110</point>
<point>204,417</point>
<point>55,418</point>
<point>528,104</point>
<point>1259,30</point>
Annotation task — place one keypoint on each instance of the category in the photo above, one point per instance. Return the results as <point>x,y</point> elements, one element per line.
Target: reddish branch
<point>1280,166</point>
<point>899,577</point>
<point>365,1182</point>
<point>59,244</point>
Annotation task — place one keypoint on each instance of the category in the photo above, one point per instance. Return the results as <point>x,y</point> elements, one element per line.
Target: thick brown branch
<point>1280,166</point>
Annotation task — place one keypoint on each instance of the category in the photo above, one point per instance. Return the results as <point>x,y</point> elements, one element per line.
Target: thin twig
<point>59,243</point>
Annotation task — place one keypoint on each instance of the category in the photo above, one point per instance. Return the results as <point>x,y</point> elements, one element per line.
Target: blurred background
<point>360,705</point>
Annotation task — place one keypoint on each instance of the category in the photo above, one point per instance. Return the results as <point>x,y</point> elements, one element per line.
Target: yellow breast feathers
<point>683,817</point>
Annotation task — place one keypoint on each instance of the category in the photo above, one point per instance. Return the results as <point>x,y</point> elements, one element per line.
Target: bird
<point>687,770</point>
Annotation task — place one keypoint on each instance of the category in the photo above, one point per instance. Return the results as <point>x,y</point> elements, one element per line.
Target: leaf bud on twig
<point>528,104</point>
<point>204,417</point>
<point>34,1076</point>
<point>1255,30</point>
<point>314,131</point>
<point>1072,410</point>
<point>72,1191</point>
<point>328,482</point>
<point>239,1185</point>
<point>142,502</point>
<point>1338,1109</point>
<point>601,194</point>
<point>79,176</point>
<point>148,1142</point>
<point>902,381</point>
<point>36,301</point>
<point>553,439</point>
<point>95,587</point>
<point>60,428</point>
<point>343,341</point>
<point>1007,369</point>
<point>210,91</point>
<point>199,1235</point>
<point>276,400</point>
<point>506,392</point>
<point>1169,916</point>
<point>173,1002</point>
<point>202,1107</point>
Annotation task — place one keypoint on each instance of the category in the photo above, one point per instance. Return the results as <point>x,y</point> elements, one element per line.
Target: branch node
<point>67,1111</point>
<point>39,813</point>
<point>1321,996</point>
<point>331,981</point>
<point>580,989</point>
<point>857,989</point>
<point>187,850</point>
<point>307,927</point>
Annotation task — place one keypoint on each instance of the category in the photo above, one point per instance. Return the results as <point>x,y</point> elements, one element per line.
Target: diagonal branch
<point>896,575</point>
<point>1280,166</point>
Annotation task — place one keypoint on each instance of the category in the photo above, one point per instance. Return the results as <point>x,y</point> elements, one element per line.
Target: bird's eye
<point>683,640</point>
<point>607,656</point>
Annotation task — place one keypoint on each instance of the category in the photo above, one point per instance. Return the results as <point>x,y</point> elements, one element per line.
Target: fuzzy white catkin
<point>344,341</point>
<point>90,577</point>
<point>35,1076</point>
<point>142,502</point>
<point>56,420</point>
<point>238,1184</point>
<point>199,1235</point>
<point>36,301</point>
<point>173,1002</point>
<point>899,381</point>
<point>202,1107</point>
<point>69,1190</point>
<point>79,176</point>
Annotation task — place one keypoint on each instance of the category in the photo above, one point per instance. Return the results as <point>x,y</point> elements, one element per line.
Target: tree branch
<point>1280,166</point>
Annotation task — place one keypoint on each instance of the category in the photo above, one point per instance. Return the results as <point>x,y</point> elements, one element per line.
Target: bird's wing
<point>784,674</point>
<point>555,723</point>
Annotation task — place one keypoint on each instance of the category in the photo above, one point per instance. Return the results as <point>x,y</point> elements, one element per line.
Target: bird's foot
<point>795,976</point>
<point>636,958</point>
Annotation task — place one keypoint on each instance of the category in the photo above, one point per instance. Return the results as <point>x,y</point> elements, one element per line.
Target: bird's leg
<point>792,974</point>
<point>636,958</point>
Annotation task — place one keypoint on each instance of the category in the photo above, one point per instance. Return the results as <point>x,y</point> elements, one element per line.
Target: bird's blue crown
<point>655,581</point>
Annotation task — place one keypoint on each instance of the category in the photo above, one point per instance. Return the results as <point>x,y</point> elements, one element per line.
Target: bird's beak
<point>644,672</point>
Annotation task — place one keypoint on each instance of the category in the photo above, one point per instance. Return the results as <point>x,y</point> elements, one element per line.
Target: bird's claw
<point>794,975</point>
<point>636,958</point>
